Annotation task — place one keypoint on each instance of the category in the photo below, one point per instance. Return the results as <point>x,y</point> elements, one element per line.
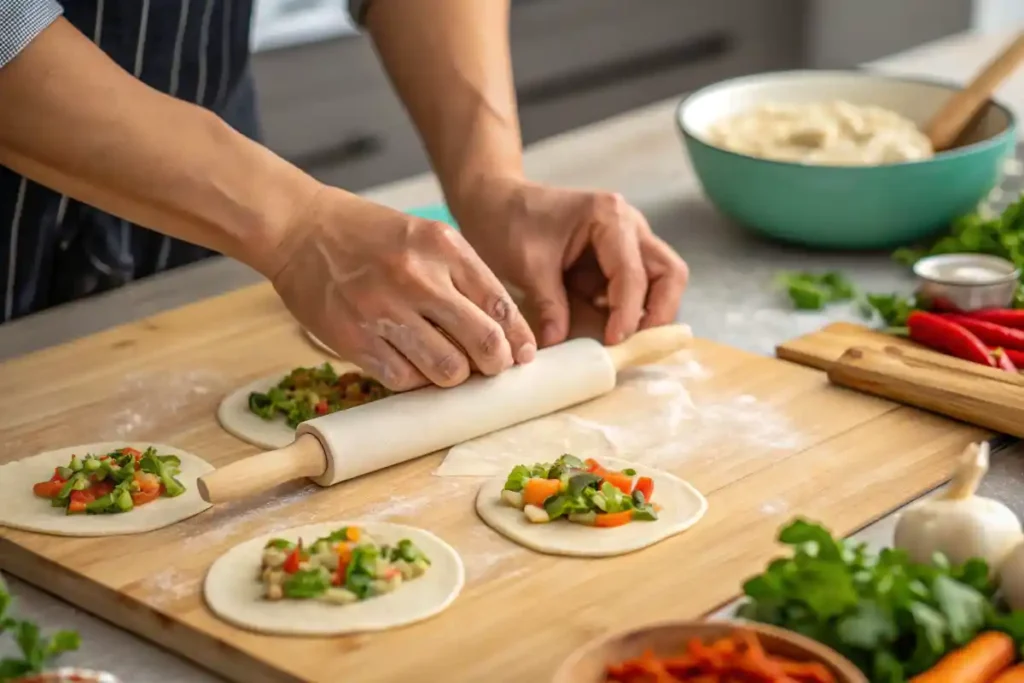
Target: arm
<point>85,127</point>
<point>450,63</point>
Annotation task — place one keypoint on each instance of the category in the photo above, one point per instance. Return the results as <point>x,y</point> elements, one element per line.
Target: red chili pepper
<point>1003,360</point>
<point>942,334</point>
<point>1007,317</point>
<point>1016,357</point>
<point>990,333</point>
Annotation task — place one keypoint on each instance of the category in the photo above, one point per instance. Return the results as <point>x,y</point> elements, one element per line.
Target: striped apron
<point>54,249</point>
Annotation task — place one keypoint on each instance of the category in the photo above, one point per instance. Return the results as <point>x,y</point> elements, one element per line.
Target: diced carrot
<point>47,489</point>
<point>1015,674</point>
<point>146,481</point>
<point>592,465</point>
<point>978,661</point>
<point>611,519</point>
<point>538,490</point>
<point>145,496</point>
<point>645,485</point>
<point>622,482</point>
<point>352,533</point>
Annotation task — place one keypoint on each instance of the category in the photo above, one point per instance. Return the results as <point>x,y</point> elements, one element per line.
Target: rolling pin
<point>970,392</point>
<point>370,437</point>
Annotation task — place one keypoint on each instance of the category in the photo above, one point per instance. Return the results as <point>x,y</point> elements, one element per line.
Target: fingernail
<point>526,353</point>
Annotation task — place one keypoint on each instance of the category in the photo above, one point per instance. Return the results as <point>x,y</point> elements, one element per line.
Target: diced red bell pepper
<point>131,451</point>
<point>147,482</point>
<point>645,485</point>
<point>990,333</point>
<point>1007,317</point>
<point>48,489</point>
<point>143,497</point>
<point>291,563</point>
<point>321,408</point>
<point>611,519</point>
<point>946,336</point>
<point>592,465</point>
<point>79,499</point>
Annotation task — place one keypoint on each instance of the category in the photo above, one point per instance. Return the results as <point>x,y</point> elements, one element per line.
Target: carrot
<point>536,491</point>
<point>610,519</point>
<point>738,657</point>
<point>622,482</point>
<point>1015,674</point>
<point>977,662</point>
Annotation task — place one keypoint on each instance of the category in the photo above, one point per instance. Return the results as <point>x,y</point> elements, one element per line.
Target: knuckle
<point>437,234</point>
<point>609,206</point>
<point>490,345</point>
<point>451,369</point>
<point>502,308</point>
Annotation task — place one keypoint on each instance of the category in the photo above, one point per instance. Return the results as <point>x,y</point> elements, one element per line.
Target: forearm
<point>83,126</point>
<point>450,63</point>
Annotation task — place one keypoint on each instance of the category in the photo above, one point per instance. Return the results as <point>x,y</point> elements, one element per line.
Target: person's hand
<point>544,240</point>
<point>406,299</point>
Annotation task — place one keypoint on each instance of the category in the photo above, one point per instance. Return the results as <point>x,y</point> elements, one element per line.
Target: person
<point>129,146</point>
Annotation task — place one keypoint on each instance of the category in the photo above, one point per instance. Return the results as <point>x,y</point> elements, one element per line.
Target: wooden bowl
<point>587,664</point>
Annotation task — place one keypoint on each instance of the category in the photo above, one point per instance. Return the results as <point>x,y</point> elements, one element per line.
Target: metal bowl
<point>966,282</point>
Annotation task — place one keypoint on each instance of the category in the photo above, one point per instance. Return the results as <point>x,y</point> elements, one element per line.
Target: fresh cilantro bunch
<point>891,617</point>
<point>36,650</point>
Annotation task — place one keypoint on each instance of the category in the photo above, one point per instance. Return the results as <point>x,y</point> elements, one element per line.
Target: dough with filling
<point>682,506</point>
<point>233,592</point>
<point>22,509</point>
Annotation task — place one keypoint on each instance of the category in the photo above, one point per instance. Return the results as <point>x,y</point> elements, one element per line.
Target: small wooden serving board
<point>764,440</point>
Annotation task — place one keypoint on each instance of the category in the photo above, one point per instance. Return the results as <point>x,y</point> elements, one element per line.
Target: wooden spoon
<point>944,129</point>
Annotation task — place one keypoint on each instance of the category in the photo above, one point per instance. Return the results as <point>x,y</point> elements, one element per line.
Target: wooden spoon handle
<point>960,395</point>
<point>946,126</point>
<point>250,476</point>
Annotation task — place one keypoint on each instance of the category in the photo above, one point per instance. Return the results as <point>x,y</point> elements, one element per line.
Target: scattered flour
<point>170,585</point>
<point>155,397</point>
<point>774,507</point>
<point>485,553</point>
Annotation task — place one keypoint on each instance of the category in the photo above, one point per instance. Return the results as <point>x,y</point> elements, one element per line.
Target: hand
<point>406,299</point>
<point>545,240</point>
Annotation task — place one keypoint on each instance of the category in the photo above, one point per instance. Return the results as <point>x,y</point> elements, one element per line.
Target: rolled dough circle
<point>682,507</point>
<point>22,509</point>
<point>235,417</point>
<point>233,593</point>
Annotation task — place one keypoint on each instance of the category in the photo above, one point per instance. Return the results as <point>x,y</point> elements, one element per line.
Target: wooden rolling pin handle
<point>652,344</point>
<point>305,457</point>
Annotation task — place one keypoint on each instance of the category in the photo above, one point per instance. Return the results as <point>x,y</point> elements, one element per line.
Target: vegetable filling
<point>116,482</point>
<point>343,567</point>
<point>305,393</point>
<point>584,492</point>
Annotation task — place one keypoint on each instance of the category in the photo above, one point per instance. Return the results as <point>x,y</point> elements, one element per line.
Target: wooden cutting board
<point>764,439</point>
<point>822,348</point>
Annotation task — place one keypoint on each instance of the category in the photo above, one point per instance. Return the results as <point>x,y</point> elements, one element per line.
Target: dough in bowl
<point>20,508</point>
<point>681,505</point>
<point>234,592</point>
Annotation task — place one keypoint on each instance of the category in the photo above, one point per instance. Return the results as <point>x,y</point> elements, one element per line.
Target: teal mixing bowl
<point>844,207</point>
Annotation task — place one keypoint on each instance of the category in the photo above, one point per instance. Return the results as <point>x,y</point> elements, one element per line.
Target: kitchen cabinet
<point>328,106</point>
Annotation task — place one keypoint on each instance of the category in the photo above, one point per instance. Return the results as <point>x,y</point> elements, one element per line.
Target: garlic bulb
<point>1011,577</point>
<point>959,524</point>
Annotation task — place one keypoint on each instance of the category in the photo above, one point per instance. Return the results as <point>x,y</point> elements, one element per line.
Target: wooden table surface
<point>637,154</point>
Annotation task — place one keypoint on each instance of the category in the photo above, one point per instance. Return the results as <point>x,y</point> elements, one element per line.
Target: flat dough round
<point>682,507</point>
<point>21,509</point>
<point>235,417</point>
<point>233,593</point>
<point>319,344</point>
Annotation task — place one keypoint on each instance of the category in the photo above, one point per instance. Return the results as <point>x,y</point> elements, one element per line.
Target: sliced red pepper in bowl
<point>944,335</point>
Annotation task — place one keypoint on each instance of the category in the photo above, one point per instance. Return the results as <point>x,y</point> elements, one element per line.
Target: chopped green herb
<point>891,617</point>
<point>810,291</point>
<point>36,651</point>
